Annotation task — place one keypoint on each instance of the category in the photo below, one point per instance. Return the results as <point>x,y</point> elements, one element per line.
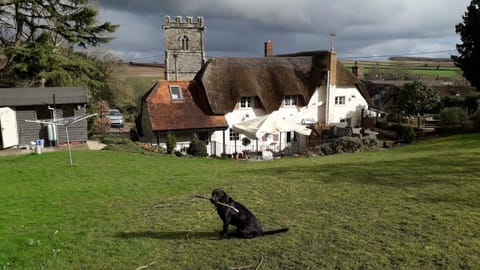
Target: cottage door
<point>8,127</point>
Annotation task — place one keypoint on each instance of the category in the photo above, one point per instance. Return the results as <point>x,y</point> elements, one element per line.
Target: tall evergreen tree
<point>469,51</point>
<point>66,22</point>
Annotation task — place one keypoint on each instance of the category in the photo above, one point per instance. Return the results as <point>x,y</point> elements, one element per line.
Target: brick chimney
<point>268,48</point>
<point>357,71</point>
<point>333,68</point>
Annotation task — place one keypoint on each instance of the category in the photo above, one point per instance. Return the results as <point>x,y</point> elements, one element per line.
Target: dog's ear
<point>226,199</point>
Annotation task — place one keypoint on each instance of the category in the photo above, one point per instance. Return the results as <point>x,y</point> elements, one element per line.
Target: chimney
<point>268,48</point>
<point>333,68</point>
<point>357,72</point>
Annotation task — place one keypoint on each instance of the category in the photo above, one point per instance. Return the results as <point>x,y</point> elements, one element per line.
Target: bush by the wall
<point>408,134</point>
<point>476,120</point>
<point>453,117</point>
<point>171,143</point>
<point>347,145</point>
<point>197,148</point>
<point>119,144</point>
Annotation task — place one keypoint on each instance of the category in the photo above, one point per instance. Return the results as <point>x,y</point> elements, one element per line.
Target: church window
<point>185,41</point>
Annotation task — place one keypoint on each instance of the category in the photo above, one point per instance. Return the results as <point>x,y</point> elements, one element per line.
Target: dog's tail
<point>275,231</point>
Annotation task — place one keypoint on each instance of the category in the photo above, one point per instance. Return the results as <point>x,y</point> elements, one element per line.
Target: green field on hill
<point>426,69</point>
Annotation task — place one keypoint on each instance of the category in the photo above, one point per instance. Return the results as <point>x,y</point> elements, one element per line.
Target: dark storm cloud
<point>239,28</point>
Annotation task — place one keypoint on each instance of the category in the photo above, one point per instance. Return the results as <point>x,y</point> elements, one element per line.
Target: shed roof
<point>190,113</point>
<point>42,95</point>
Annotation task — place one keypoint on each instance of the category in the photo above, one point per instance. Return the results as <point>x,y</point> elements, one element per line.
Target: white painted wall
<point>314,111</point>
<point>275,142</point>
<point>354,103</point>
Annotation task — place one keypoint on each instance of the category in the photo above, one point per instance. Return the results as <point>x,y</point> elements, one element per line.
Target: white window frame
<point>175,96</point>
<point>340,100</point>
<point>246,102</point>
<point>233,135</point>
<point>291,100</point>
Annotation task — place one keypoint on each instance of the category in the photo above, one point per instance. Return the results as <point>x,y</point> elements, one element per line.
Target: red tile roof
<point>190,113</point>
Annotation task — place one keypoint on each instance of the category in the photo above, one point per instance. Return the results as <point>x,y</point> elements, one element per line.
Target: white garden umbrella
<point>269,124</point>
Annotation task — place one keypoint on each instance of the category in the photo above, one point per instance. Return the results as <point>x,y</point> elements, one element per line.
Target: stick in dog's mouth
<point>223,204</point>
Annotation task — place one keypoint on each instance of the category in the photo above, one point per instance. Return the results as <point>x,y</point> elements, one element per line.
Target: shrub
<point>245,141</point>
<point>171,143</point>
<point>347,145</point>
<point>369,143</point>
<point>476,120</point>
<point>119,144</point>
<point>453,117</point>
<point>101,123</point>
<point>197,148</point>
<point>408,134</point>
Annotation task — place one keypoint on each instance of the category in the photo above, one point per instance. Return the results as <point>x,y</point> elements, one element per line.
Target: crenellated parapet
<point>179,22</point>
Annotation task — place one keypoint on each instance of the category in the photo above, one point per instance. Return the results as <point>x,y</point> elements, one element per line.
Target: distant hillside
<point>144,70</point>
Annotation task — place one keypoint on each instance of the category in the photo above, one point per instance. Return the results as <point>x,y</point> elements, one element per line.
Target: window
<point>203,136</point>
<point>246,102</point>
<point>175,92</point>
<point>43,113</point>
<point>291,100</point>
<point>340,100</point>
<point>68,111</point>
<point>291,137</point>
<point>346,121</point>
<point>234,136</point>
<point>185,41</point>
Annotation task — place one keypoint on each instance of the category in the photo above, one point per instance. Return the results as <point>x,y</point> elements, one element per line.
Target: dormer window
<point>291,100</point>
<point>185,44</point>
<point>175,92</point>
<point>246,102</point>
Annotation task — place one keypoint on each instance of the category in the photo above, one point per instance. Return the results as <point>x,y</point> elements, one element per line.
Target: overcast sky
<point>240,27</point>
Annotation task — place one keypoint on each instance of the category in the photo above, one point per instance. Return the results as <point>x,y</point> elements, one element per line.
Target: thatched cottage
<point>308,88</point>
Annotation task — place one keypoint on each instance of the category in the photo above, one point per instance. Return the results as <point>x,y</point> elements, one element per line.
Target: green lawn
<point>412,68</point>
<point>412,207</point>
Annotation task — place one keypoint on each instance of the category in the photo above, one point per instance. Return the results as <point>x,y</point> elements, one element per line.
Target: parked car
<point>116,118</point>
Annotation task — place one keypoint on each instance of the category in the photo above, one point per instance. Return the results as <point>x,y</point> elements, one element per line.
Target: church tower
<point>184,47</point>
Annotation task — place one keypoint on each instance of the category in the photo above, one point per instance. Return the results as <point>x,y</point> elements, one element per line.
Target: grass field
<point>412,207</point>
<point>426,69</point>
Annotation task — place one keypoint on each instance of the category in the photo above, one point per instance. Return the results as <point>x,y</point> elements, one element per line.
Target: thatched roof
<point>269,79</point>
<point>190,113</point>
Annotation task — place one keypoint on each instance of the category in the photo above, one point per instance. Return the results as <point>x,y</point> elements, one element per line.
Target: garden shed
<point>20,104</point>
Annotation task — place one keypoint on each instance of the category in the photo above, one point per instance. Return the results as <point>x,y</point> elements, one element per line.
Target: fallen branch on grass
<point>224,204</point>
<point>248,267</point>
<point>259,264</point>
<point>146,266</point>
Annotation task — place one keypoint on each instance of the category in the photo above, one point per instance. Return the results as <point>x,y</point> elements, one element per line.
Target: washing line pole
<point>65,123</point>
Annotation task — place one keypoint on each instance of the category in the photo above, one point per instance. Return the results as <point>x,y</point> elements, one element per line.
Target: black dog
<point>247,224</point>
